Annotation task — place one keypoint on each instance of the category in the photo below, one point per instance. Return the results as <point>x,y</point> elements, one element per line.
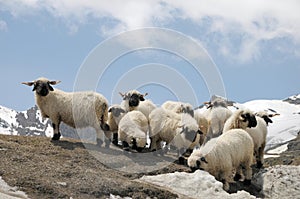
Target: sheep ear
<point>28,83</point>
<point>200,132</point>
<point>142,97</point>
<point>109,110</point>
<point>122,95</point>
<point>54,82</point>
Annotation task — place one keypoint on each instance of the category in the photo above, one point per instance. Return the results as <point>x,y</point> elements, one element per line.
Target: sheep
<point>134,100</point>
<point>90,108</point>
<point>217,113</point>
<point>229,152</point>
<point>203,125</point>
<point>178,107</point>
<point>181,130</point>
<point>115,114</point>
<point>132,130</point>
<point>259,135</point>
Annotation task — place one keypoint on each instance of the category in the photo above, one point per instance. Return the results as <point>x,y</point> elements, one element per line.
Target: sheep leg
<point>107,138</point>
<point>56,133</point>
<point>260,158</point>
<point>238,174</point>
<point>115,139</point>
<point>125,146</point>
<point>248,173</point>
<point>224,179</point>
<point>99,137</point>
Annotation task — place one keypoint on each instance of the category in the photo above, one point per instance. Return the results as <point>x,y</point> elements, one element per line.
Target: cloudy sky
<point>253,45</point>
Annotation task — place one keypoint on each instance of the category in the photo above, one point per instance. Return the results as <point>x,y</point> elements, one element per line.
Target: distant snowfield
<point>285,127</point>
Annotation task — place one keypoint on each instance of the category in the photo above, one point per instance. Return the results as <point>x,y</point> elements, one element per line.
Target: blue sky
<point>255,45</point>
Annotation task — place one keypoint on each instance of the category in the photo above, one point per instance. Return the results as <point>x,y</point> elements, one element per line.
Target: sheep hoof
<point>237,177</point>
<point>99,142</point>
<point>139,149</point>
<point>259,165</point>
<point>126,148</point>
<point>56,136</point>
<point>247,182</point>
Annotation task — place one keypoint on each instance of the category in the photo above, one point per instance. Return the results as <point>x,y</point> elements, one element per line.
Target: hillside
<point>65,169</point>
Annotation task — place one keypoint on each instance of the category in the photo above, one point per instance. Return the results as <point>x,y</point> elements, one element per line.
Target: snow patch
<point>199,184</point>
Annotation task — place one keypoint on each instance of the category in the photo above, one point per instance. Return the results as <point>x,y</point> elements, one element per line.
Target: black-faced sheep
<point>179,130</point>
<point>132,130</point>
<point>229,152</point>
<point>259,135</point>
<point>134,100</point>
<point>76,109</point>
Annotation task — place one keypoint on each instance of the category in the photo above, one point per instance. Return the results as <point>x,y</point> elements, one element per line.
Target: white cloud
<point>3,25</point>
<point>252,21</point>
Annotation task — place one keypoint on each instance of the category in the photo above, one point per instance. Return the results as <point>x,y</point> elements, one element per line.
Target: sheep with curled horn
<point>89,108</point>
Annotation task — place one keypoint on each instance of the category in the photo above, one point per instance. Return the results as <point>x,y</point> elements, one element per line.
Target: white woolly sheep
<point>89,108</point>
<point>229,152</point>
<point>216,116</point>
<point>134,100</point>
<point>224,154</point>
<point>259,135</point>
<point>180,130</point>
<point>178,107</point>
<point>133,129</point>
<point>115,114</point>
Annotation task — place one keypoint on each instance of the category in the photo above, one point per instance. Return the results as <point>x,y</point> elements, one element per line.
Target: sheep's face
<point>249,119</point>
<point>195,163</point>
<point>202,164</point>
<point>116,111</point>
<point>187,109</point>
<point>42,86</point>
<point>133,97</point>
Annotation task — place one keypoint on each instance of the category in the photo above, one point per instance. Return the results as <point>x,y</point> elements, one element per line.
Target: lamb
<point>76,109</point>
<point>134,100</point>
<point>133,129</point>
<point>178,107</point>
<point>229,152</point>
<point>259,135</point>
<point>181,130</point>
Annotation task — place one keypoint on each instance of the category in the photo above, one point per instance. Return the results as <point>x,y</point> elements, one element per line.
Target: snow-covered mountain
<point>29,123</point>
<point>285,127</point>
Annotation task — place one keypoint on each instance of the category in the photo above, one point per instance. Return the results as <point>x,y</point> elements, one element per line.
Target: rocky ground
<point>70,169</point>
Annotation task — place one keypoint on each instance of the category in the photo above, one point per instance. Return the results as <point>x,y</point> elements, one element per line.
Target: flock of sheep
<point>218,140</point>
